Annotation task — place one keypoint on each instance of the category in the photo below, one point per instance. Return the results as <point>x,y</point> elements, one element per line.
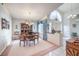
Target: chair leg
<point>29,43</point>
<point>20,43</point>
<point>34,42</point>
<point>24,43</point>
<point>38,40</point>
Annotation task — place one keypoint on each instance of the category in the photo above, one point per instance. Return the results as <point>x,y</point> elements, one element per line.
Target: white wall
<point>54,38</point>
<point>40,30</point>
<point>5,34</point>
<point>74,29</point>
<point>66,28</point>
<point>18,23</point>
<point>34,27</point>
<point>57,25</point>
<point>67,23</point>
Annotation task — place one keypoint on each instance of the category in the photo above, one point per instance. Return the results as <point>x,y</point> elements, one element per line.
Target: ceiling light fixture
<point>71,15</point>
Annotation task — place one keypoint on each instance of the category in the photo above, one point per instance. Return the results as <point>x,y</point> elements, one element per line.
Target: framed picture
<point>5,23</point>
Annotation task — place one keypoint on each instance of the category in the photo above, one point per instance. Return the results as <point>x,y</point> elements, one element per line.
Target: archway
<point>55,27</point>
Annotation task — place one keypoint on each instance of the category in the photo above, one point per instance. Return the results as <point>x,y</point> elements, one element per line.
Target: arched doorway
<point>55,27</point>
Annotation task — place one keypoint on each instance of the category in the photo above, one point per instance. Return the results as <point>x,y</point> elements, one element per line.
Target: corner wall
<point>5,34</point>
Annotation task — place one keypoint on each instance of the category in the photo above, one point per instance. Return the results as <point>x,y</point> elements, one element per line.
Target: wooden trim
<point>6,51</point>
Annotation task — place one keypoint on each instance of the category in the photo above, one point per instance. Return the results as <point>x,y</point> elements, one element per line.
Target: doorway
<point>40,30</point>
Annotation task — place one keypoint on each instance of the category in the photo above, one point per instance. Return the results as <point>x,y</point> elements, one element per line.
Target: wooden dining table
<point>29,37</point>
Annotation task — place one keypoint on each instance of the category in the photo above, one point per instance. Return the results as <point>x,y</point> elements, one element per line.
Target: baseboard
<point>3,50</point>
<point>6,45</point>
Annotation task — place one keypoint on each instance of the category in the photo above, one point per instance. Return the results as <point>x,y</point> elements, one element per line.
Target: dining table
<point>29,37</point>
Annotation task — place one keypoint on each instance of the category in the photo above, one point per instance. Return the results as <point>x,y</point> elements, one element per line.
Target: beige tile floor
<point>61,51</point>
<point>57,52</point>
<point>16,50</point>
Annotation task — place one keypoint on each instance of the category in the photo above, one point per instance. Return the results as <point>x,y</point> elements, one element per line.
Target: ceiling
<point>67,7</point>
<point>31,11</point>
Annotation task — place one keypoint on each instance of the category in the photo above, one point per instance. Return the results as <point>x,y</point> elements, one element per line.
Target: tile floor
<point>61,51</point>
<point>57,52</point>
<point>38,50</point>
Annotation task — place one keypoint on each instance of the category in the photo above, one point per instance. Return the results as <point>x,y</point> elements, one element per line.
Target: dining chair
<point>22,39</point>
<point>31,38</point>
<point>36,36</point>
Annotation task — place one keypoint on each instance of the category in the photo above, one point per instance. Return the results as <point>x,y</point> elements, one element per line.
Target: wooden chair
<point>36,36</point>
<point>31,38</point>
<point>22,39</point>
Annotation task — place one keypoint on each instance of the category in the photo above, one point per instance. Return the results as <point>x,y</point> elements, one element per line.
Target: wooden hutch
<point>25,28</point>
